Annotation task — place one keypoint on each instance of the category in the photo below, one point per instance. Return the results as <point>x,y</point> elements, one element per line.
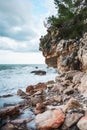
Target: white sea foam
<point>14,77</point>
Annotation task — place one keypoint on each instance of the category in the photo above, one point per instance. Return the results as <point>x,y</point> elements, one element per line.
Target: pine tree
<point>71,18</point>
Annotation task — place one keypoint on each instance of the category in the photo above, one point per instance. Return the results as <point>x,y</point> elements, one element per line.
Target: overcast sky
<point>21,25</point>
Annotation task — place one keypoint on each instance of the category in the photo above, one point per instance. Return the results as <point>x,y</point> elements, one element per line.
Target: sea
<point>19,76</point>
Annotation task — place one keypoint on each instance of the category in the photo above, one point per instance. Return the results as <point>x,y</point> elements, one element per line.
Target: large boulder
<point>71,119</point>
<point>50,119</point>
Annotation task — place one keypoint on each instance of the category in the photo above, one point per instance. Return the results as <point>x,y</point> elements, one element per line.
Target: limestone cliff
<point>64,54</point>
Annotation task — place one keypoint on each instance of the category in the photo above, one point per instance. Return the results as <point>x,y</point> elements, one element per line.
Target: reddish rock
<point>49,119</point>
<point>40,86</point>
<point>29,89</point>
<point>34,88</point>
<point>9,111</point>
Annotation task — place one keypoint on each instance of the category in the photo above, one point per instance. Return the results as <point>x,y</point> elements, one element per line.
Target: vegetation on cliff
<point>69,23</point>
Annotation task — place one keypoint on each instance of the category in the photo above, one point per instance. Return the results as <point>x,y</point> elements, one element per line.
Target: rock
<point>36,99</point>
<point>70,74</point>
<point>69,91</point>
<point>58,99</point>
<point>66,83</point>
<point>83,86</point>
<point>49,119</point>
<point>29,89</point>
<point>55,88</point>
<point>8,126</point>
<point>2,122</point>
<point>71,119</point>
<point>72,104</point>
<point>40,86</point>
<point>82,53</point>
<point>34,88</point>
<point>21,121</point>
<point>77,77</point>
<point>9,111</point>
<point>21,93</point>
<point>40,107</point>
<point>6,96</point>
<point>39,72</point>
<point>50,82</point>
<point>82,124</point>
<point>51,60</point>
<point>38,93</point>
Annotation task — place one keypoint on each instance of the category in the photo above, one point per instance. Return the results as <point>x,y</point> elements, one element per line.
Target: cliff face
<point>64,54</point>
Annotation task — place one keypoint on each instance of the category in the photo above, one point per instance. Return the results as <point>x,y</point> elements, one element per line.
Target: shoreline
<point>62,94</point>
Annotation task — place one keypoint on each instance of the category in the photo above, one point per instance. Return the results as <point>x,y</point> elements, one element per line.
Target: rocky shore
<point>54,105</point>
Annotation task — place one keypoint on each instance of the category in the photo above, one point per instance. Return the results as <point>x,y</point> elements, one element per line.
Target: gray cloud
<point>21,24</point>
<point>16,13</point>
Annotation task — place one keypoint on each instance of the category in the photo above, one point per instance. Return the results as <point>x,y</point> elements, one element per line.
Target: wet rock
<point>72,104</point>
<point>9,111</point>
<point>6,96</point>
<point>71,119</point>
<point>39,72</point>
<point>21,93</point>
<point>82,124</point>
<point>49,119</point>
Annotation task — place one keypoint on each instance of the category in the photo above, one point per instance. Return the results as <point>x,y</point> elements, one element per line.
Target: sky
<point>21,26</point>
